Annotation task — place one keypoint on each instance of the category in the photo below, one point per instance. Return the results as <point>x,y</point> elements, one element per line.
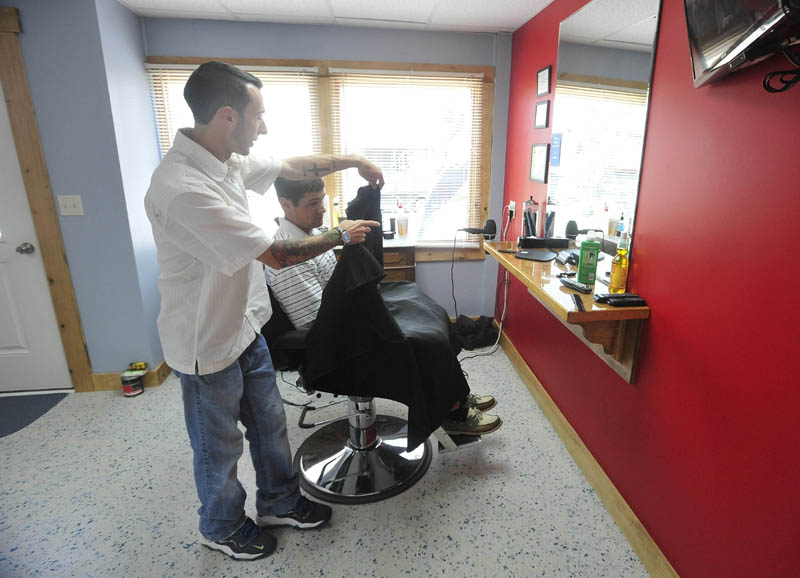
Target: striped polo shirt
<point>299,287</point>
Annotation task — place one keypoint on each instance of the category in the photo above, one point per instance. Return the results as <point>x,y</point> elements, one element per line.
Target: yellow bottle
<point>619,266</point>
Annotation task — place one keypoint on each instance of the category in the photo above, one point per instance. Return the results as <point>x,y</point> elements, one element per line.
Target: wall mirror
<point>602,87</point>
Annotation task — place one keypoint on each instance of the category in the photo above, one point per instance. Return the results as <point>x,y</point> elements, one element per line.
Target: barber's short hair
<point>216,84</point>
<point>294,190</point>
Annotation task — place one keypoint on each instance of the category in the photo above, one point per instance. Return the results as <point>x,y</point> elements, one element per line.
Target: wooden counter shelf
<point>611,332</point>
<point>399,259</point>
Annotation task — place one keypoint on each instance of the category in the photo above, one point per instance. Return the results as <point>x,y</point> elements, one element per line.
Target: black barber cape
<point>367,206</point>
<point>384,341</point>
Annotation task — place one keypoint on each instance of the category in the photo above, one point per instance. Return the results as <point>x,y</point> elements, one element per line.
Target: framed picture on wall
<point>540,118</point>
<point>539,158</point>
<point>543,81</point>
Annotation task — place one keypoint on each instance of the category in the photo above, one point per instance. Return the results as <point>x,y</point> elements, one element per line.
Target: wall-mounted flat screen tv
<point>725,35</point>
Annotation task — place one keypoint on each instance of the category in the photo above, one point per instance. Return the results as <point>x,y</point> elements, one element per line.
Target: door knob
<point>26,249</point>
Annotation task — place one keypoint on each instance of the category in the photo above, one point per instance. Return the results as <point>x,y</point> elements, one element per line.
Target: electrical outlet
<point>70,205</point>
<point>512,207</point>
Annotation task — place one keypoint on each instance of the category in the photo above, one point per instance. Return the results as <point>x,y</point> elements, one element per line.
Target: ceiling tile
<point>184,6</point>
<point>393,24</point>
<point>641,32</point>
<point>286,18</point>
<point>463,15</point>
<point>604,18</point>
<point>505,14</point>
<point>193,15</point>
<point>267,9</point>
<point>630,47</point>
<point>403,11</point>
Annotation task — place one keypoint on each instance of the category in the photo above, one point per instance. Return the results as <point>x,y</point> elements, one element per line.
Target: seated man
<point>299,288</point>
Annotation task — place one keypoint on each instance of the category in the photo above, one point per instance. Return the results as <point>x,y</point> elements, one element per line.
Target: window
<point>424,131</point>
<point>291,114</point>
<point>602,132</point>
<point>429,130</point>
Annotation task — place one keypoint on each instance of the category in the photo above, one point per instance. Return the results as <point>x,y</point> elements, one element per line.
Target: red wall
<point>704,446</point>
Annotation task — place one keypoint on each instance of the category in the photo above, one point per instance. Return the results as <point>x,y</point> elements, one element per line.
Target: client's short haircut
<point>216,84</point>
<point>294,190</point>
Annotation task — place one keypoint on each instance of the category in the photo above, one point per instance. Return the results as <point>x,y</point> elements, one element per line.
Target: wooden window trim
<point>443,253</point>
<point>463,251</point>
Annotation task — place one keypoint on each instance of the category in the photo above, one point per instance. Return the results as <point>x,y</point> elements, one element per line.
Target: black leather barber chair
<point>359,458</point>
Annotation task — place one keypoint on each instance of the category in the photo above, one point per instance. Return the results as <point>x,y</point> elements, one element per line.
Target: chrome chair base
<point>335,469</point>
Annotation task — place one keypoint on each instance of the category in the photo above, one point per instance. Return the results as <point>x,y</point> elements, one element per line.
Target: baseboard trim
<point>111,381</point>
<point>649,553</point>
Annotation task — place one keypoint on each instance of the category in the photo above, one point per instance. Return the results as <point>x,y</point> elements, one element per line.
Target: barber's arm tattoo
<point>292,251</point>
<point>318,165</point>
<point>317,171</point>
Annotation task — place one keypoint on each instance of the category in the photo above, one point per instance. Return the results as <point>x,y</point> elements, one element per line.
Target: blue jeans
<point>213,404</point>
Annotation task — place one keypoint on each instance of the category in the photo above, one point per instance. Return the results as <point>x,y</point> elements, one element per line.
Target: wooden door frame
<point>40,198</point>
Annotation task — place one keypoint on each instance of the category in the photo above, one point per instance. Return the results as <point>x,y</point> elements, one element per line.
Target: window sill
<point>431,251</point>
<point>443,252</point>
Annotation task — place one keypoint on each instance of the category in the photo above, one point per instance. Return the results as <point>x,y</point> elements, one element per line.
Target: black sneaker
<point>249,542</point>
<point>304,515</point>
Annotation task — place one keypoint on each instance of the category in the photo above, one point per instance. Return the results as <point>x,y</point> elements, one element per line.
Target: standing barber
<point>214,303</point>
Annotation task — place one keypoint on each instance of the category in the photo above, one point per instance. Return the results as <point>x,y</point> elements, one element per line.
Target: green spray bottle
<point>587,260</point>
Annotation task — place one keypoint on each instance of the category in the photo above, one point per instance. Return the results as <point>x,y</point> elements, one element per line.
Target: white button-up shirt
<point>299,287</point>
<point>213,296</point>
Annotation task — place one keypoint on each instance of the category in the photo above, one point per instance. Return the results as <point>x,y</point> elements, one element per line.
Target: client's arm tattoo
<point>292,251</point>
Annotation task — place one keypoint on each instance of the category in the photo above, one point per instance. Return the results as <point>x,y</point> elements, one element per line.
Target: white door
<point>31,352</point>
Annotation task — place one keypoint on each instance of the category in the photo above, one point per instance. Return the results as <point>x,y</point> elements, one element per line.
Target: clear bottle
<point>619,266</point>
<point>529,218</point>
<point>335,212</point>
<point>541,220</point>
<point>402,220</point>
<point>621,225</point>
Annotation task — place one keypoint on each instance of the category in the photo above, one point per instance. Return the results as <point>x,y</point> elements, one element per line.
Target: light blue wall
<point>84,61</point>
<point>200,38</point>
<point>63,55</point>
<point>222,39</point>
<point>134,125</point>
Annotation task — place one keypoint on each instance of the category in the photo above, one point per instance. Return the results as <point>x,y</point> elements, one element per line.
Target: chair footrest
<point>306,425</point>
<point>450,442</point>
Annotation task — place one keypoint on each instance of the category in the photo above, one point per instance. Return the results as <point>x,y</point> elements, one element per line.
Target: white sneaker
<point>477,423</point>
<point>481,402</point>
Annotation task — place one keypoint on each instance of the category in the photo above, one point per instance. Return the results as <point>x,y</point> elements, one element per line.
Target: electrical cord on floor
<point>310,396</point>
<point>453,262</point>
<point>286,401</point>
<point>783,80</point>
<point>452,279</point>
<point>506,283</point>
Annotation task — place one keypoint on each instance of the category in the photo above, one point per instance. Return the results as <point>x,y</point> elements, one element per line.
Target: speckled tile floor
<point>101,486</point>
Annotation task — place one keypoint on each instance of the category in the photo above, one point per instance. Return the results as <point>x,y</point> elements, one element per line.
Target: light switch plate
<point>70,205</point>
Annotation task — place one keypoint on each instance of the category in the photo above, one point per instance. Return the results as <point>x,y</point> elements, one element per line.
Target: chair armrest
<point>294,339</point>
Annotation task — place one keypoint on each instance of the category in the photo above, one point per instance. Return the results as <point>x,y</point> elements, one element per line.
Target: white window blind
<point>425,132</point>
<point>291,103</point>
<point>597,175</point>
